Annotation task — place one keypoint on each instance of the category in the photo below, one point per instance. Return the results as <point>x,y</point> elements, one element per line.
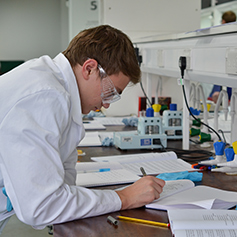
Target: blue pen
<point>93,171</point>
<point>104,169</point>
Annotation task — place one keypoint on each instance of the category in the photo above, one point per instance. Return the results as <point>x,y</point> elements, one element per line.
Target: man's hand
<point>142,192</point>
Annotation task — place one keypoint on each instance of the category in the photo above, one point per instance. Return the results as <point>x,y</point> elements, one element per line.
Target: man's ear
<point>89,67</point>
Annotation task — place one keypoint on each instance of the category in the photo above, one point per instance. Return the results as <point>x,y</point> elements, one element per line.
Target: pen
<point>143,221</point>
<point>143,171</point>
<point>111,220</point>
<point>93,171</point>
<point>201,167</point>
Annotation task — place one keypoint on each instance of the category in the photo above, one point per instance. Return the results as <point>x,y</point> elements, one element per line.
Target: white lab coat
<point>40,127</point>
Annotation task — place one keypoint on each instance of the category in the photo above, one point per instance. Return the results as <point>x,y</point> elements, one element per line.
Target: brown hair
<point>110,47</point>
<point>229,16</point>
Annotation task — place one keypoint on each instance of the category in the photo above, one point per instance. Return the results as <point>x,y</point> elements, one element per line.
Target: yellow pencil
<point>143,221</point>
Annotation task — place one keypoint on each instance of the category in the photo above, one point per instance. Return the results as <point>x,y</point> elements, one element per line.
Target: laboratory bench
<point>98,226</point>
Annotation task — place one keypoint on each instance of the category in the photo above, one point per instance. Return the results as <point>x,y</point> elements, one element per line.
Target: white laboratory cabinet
<point>211,55</point>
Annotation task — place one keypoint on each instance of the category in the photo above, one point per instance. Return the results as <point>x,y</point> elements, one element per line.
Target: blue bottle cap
<point>194,111</point>
<point>219,148</point>
<point>173,107</point>
<point>229,153</point>
<point>150,112</point>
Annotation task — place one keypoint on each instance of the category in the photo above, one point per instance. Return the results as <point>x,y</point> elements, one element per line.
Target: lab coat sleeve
<point>69,168</point>
<point>32,168</point>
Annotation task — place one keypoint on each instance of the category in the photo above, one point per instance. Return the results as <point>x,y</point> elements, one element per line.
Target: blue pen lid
<point>150,112</point>
<point>173,107</point>
<point>219,148</point>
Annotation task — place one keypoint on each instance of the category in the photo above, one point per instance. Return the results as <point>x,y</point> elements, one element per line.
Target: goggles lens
<point>109,93</point>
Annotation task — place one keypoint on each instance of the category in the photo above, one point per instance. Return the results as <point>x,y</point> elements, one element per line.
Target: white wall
<point>30,29</point>
<point>142,18</point>
<point>82,14</point>
<point>64,22</point>
<point>139,18</point>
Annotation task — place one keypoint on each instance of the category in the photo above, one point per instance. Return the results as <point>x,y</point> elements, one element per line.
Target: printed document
<point>182,194</point>
<point>153,162</point>
<point>203,223</point>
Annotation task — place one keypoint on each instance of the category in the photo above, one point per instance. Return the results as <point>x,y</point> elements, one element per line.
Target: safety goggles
<point>109,93</point>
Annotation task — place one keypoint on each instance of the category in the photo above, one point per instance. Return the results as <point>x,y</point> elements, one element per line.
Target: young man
<point>42,102</point>
<point>228,17</point>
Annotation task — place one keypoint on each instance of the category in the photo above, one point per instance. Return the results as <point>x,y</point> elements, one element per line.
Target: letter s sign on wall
<point>93,5</point>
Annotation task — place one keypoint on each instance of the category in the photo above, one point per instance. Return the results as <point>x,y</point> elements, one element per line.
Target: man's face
<point>93,101</point>
<point>90,88</point>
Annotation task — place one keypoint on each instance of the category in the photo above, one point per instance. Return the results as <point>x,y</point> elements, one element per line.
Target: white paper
<point>110,120</point>
<point>88,167</point>
<point>175,186</point>
<point>93,125</point>
<point>153,163</point>
<point>158,167</point>
<point>205,233</point>
<point>198,197</point>
<point>139,156</point>
<point>90,139</point>
<point>113,177</point>
<point>206,223</point>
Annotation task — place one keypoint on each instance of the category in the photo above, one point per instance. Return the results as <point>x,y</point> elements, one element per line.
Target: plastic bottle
<point>150,128</point>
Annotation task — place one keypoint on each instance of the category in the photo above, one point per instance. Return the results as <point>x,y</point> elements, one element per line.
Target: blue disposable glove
<point>193,176</point>
<point>107,142</point>
<point>92,114</point>
<point>130,122</point>
<point>9,204</point>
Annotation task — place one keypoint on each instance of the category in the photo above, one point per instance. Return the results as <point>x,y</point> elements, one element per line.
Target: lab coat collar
<point>66,69</point>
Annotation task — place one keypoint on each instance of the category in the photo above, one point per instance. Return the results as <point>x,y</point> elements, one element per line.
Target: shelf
<point>211,55</point>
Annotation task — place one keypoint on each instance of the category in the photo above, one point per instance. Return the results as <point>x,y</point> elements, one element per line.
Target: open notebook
<point>182,194</point>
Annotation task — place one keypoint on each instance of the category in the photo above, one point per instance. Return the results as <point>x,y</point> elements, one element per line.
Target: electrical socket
<point>231,61</point>
<point>160,58</point>
<point>187,54</point>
